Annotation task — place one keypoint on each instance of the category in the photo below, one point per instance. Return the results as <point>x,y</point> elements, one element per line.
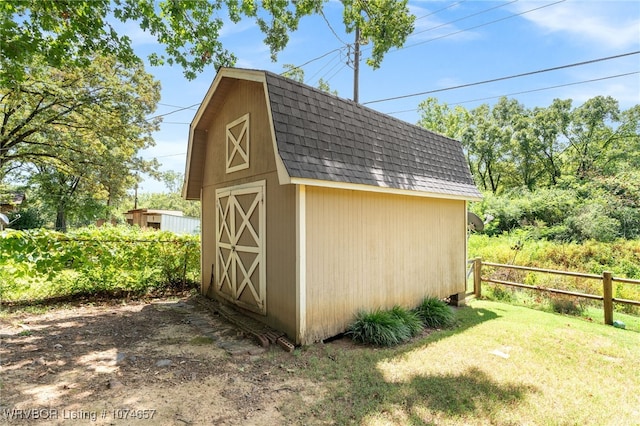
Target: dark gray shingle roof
<point>321,136</point>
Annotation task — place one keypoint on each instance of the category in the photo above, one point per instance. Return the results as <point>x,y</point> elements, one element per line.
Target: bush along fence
<point>603,293</point>
<point>41,264</point>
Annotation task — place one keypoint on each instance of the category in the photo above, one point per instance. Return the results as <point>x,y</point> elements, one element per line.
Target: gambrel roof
<point>325,140</point>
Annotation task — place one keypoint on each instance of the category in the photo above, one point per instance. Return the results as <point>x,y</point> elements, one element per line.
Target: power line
<point>338,57</point>
<point>346,45</point>
<point>471,28</point>
<point>481,25</point>
<point>552,87</point>
<point>171,155</point>
<point>493,80</point>
<point>173,112</point>
<point>440,10</point>
<point>336,73</point>
<point>464,17</point>
<point>318,58</point>
<point>331,28</point>
<point>172,106</point>
<point>529,91</point>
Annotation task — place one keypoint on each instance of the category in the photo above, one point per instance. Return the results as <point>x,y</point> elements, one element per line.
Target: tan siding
<point>368,250</point>
<point>208,236</point>
<point>246,97</point>
<point>281,256</point>
<point>242,98</point>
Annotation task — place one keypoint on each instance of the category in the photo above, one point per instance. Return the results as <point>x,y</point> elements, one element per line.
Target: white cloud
<point>607,24</point>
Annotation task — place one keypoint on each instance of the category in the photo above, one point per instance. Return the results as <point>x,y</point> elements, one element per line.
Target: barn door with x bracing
<point>240,245</point>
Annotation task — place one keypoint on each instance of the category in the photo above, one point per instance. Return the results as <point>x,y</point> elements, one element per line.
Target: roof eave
<point>387,190</point>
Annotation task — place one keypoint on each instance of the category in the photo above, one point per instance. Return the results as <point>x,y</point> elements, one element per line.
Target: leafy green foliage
<point>188,31</point>
<point>510,146</point>
<point>621,257</point>
<point>384,327</point>
<point>73,135</point>
<point>30,217</point>
<point>396,325</point>
<point>601,209</point>
<point>40,264</point>
<point>435,313</point>
<point>564,172</point>
<point>385,23</point>
<point>409,318</point>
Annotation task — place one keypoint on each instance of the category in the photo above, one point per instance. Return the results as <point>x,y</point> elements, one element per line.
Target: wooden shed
<point>314,207</point>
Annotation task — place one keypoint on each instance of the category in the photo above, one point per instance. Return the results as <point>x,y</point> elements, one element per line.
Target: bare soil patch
<point>166,362</point>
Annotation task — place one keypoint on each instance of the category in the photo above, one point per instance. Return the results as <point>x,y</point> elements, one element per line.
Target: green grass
<point>502,364</point>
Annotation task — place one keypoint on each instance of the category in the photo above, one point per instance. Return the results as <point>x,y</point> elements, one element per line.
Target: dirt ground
<point>159,362</point>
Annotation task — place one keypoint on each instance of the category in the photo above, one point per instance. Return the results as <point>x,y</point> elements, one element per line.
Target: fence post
<point>477,277</point>
<point>607,293</point>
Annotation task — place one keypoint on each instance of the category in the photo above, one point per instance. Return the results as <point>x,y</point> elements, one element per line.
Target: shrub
<point>593,222</point>
<point>378,328</point>
<point>41,264</point>
<point>501,294</point>
<point>565,305</point>
<point>409,318</point>
<point>435,313</point>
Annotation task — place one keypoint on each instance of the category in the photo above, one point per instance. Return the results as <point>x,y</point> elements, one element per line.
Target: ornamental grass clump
<point>385,327</point>
<point>435,313</point>
<point>409,318</point>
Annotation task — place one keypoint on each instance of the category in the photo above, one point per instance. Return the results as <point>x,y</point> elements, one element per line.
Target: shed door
<point>240,244</point>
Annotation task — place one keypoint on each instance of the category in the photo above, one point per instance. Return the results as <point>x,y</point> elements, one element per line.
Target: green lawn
<point>502,364</point>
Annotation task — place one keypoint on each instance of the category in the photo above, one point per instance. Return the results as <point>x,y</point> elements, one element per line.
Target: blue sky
<point>454,43</point>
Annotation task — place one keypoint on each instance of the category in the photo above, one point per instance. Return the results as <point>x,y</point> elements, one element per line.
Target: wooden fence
<point>607,284</point>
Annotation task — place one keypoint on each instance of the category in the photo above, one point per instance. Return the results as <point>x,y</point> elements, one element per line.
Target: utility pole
<point>356,65</point>
<point>135,197</point>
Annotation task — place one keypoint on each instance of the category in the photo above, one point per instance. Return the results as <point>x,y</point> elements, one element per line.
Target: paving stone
<point>255,336</point>
<point>164,363</point>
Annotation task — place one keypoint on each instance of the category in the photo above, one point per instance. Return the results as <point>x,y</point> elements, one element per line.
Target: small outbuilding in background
<point>314,207</point>
<point>165,220</point>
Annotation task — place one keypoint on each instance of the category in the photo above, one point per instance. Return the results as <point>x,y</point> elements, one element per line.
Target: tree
<point>384,23</point>
<point>293,72</point>
<point>488,140</point>
<point>515,122</point>
<point>547,126</point>
<point>71,32</point>
<point>596,136</point>
<point>296,73</point>
<point>77,116</point>
<point>171,199</point>
<point>79,128</point>
<point>440,118</point>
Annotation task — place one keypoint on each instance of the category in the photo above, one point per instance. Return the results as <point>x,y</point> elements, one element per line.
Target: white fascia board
<point>380,189</point>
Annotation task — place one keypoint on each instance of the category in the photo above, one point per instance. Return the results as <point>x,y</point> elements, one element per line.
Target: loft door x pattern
<point>240,245</point>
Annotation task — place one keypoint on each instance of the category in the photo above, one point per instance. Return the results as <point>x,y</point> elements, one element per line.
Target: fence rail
<point>607,284</point>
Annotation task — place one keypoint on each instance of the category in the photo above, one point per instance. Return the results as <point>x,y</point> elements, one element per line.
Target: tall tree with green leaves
<point>72,32</point>
<point>77,116</point>
<point>82,128</point>
<point>489,141</point>
<point>591,135</point>
<point>442,119</point>
<point>547,125</point>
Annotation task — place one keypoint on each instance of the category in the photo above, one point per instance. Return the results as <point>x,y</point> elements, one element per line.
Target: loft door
<point>240,245</point>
